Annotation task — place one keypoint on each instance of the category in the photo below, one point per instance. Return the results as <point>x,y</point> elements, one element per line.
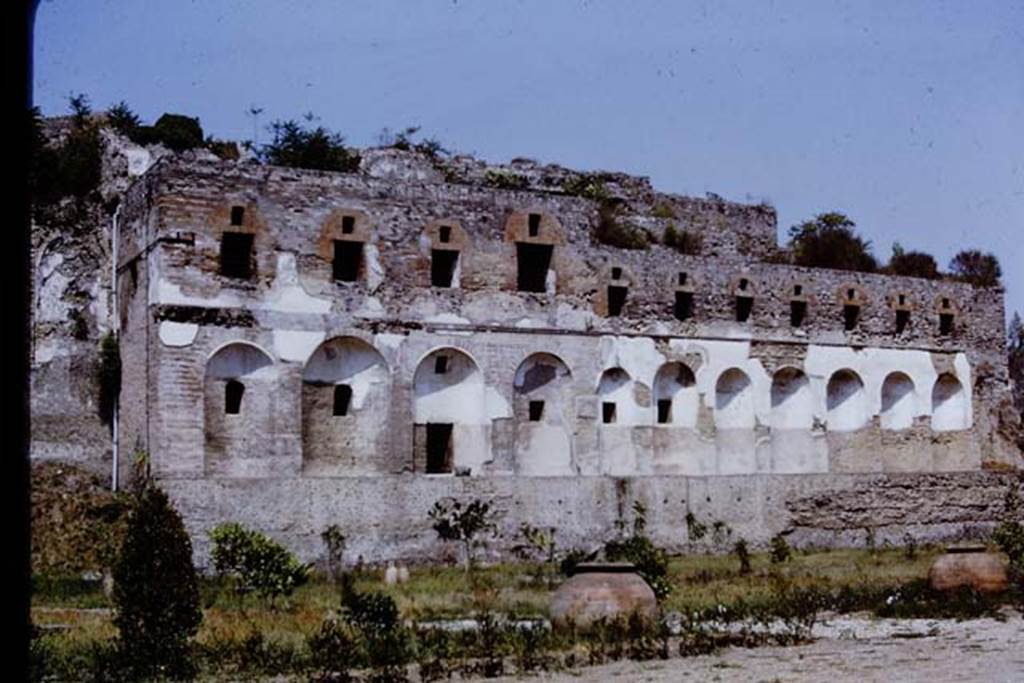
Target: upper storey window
<point>237,215</point>
<point>236,255</point>
<point>535,236</point>
<point>348,260</point>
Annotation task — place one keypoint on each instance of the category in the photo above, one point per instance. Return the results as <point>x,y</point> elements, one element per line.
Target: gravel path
<point>848,649</point>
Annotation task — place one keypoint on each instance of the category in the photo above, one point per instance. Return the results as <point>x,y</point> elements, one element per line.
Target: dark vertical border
<point>20,15</point>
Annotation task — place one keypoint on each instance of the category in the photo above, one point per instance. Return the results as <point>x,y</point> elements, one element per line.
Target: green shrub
<point>317,148</point>
<point>912,264</point>
<point>123,120</point>
<point>684,241</point>
<point>828,241</point>
<point>743,555</point>
<point>663,210</point>
<point>253,562</point>
<point>156,592</point>
<point>614,232</point>
<point>334,544</point>
<point>1009,536</point>
<point>505,180</point>
<point>587,185</point>
<point>463,523</point>
<point>174,131</point>
<point>651,562</point>
<point>976,268</point>
<point>73,167</point>
<point>780,551</point>
<point>333,650</point>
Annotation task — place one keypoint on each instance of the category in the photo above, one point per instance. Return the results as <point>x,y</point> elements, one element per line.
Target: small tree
<point>316,148</point>
<point>780,551</point>
<point>463,523</point>
<point>829,241</point>
<point>977,268</point>
<point>334,543</point>
<point>255,562</point>
<point>156,592</point>
<point>743,555</point>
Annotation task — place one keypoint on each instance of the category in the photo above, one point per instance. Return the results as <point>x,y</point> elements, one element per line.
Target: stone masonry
<point>304,348</point>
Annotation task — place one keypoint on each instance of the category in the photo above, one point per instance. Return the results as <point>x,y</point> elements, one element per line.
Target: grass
<point>235,633</point>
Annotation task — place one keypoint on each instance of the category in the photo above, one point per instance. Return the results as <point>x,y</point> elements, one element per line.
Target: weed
<point>780,551</point>
<point>743,555</point>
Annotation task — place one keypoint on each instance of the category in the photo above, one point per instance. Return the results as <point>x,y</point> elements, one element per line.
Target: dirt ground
<point>848,649</point>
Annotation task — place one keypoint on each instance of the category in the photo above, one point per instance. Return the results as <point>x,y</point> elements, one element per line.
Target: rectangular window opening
<point>536,411</point>
<point>683,309</point>
<point>616,300</point>
<point>616,273</point>
<point>533,262</point>
<point>348,260</point>
<point>348,225</point>
<point>608,412</point>
<point>439,448</point>
<point>237,213</point>
<point>744,307</point>
<point>851,314</point>
<point>233,392</point>
<point>664,411</point>
<point>946,324</point>
<point>440,365</point>
<point>682,279</point>
<point>797,313</point>
<point>534,224</point>
<point>798,290</point>
<point>444,233</point>
<point>442,267</point>
<point>236,255</point>
<point>342,399</point>
<point>902,320</point>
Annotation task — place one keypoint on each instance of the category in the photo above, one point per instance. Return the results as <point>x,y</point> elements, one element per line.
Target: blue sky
<point>906,116</point>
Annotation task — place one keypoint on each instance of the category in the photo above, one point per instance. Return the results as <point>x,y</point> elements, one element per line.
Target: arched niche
<point>238,394</point>
<point>897,402</point>
<point>734,400</point>
<point>542,405</point>
<point>950,406</point>
<point>846,402</point>
<point>451,425</point>
<point>346,392</point>
<point>675,396</point>
<point>792,400</point>
<point>615,391</point>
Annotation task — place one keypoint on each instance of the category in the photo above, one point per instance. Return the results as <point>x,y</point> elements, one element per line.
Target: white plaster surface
<point>296,345</point>
<point>178,334</point>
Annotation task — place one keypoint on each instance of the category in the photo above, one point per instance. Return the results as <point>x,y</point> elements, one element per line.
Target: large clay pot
<point>602,590</point>
<point>968,565</point>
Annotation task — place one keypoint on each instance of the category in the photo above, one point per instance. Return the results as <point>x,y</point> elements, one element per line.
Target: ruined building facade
<point>302,349</point>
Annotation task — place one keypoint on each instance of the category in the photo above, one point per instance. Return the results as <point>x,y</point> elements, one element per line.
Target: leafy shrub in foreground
<point>254,562</point>
<point>156,591</point>
<point>651,562</point>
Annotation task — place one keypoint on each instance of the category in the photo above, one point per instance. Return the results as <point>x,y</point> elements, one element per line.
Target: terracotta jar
<point>608,590</point>
<point>968,565</point>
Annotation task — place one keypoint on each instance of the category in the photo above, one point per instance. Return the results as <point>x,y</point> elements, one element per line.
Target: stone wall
<point>305,348</point>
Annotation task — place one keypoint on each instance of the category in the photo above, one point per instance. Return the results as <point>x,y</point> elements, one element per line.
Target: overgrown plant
<point>539,545</point>
<point>780,550</point>
<point>742,552</point>
<point>829,241</point>
<point>613,231</point>
<point>1009,535</point>
<point>683,241</point>
<point>651,562</point>
<point>463,523</point>
<point>156,591</point>
<point>314,148</point>
<point>977,268</point>
<point>255,563</point>
<point>334,546</point>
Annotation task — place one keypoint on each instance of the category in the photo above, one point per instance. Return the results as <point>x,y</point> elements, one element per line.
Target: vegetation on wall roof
<point>912,264</point>
<point>977,268</point>
<point>297,146</point>
<point>829,241</point>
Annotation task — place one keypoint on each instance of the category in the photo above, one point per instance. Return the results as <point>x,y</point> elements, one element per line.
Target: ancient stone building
<point>303,348</point>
